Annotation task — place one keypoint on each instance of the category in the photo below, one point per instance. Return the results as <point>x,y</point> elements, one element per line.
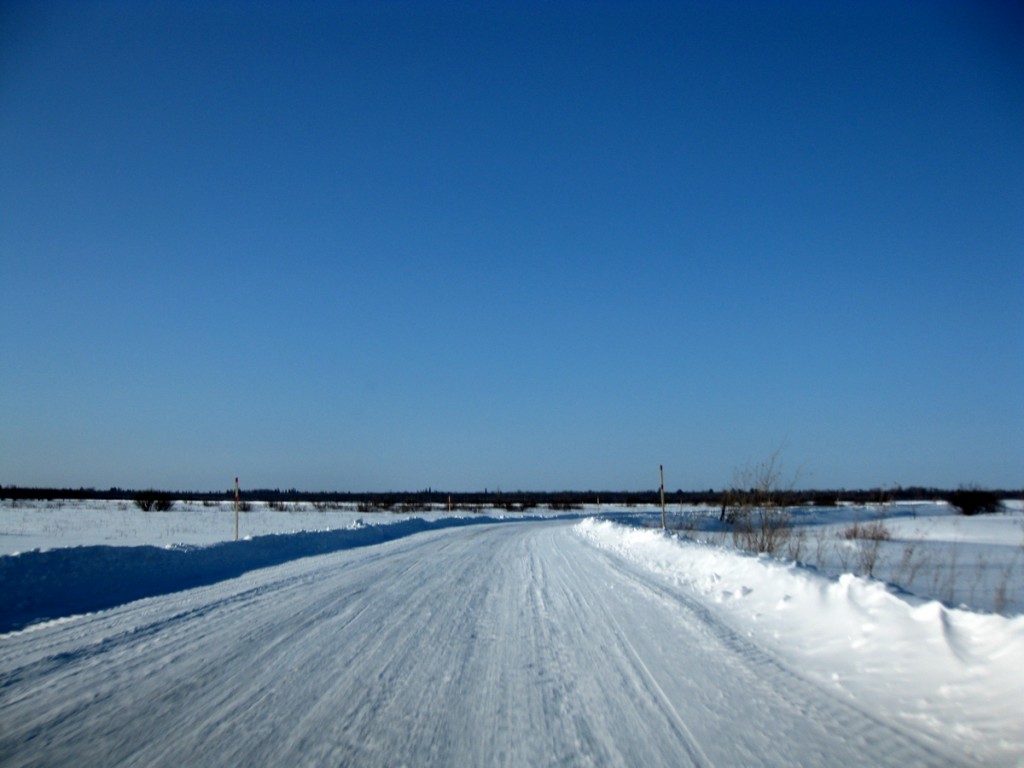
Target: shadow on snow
<point>39,586</point>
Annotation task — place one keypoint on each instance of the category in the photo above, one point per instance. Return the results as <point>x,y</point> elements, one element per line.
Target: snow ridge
<point>956,673</point>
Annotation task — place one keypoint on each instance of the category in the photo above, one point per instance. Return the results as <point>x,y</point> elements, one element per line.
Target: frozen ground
<point>387,639</point>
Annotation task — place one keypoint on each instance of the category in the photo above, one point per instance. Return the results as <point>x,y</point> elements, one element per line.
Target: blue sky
<point>373,246</point>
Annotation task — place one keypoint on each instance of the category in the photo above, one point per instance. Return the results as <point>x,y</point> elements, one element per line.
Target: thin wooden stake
<point>661,469</point>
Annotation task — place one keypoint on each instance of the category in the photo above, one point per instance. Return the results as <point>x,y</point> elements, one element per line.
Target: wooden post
<point>661,469</point>
<point>236,509</point>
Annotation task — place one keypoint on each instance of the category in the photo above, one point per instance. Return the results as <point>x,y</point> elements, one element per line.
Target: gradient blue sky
<point>373,246</point>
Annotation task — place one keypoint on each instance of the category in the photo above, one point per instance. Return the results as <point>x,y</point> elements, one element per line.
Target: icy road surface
<point>508,644</point>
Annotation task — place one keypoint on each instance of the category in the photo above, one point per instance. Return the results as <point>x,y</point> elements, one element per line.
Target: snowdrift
<point>954,672</point>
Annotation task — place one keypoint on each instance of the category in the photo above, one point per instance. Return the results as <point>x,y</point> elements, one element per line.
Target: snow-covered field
<point>565,640</point>
<point>26,525</point>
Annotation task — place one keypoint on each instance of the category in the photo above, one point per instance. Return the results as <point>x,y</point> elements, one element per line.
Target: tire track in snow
<point>643,673</point>
<point>200,645</point>
<point>485,645</point>
<point>772,678</point>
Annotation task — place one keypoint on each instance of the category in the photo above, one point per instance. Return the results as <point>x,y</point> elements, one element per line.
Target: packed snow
<point>493,638</point>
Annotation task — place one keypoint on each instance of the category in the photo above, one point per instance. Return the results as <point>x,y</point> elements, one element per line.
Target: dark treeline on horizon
<point>511,499</point>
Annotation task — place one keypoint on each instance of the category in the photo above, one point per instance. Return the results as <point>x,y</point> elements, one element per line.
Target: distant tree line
<point>513,500</point>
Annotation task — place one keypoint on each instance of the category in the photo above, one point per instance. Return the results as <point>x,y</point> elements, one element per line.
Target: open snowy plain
<point>339,638</point>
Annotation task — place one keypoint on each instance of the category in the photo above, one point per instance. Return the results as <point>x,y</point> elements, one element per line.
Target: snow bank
<point>41,585</point>
<point>955,673</point>
<point>29,525</point>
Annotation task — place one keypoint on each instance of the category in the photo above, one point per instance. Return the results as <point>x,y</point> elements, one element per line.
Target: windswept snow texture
<point>478,641</point>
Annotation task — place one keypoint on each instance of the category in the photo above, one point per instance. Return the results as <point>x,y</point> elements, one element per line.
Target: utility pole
<point>236,509</point>
<point>661,469</point>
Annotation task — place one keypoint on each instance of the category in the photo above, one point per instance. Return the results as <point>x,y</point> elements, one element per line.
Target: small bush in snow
<point>873,531</point>
<point>149,501</point>
<point>759,517</point>
<point>324,506</point>
<point>974,501</point>
<point>872,535</point>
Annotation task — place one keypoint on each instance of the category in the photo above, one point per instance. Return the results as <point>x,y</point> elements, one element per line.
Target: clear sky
<point>536,246</point>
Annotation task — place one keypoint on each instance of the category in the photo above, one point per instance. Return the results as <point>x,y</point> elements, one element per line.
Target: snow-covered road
<point>506,644</point>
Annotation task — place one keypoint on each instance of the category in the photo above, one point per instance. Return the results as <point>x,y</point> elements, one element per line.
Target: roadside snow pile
<point>926,548</point>
<point>40,585</point>
<point>953,672</point>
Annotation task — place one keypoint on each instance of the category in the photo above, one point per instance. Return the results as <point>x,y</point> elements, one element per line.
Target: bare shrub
<point>873,531</point>
<point>944,574</point>
<point>715,538</point>
<point>980,567</point>
<point>768,529</point>
<point>843,553</point>
<point>1002,595</point>
<point>760,521</point>
<point>686,521</point>
<point>910,563</point>
<point>153,501</point>
<point>867,557</point>
<point>795,545</point>
<point>869,537</point>
<point>974,501</point>
<point>999,602</point>
<point>820,537</point>
<point>951,574</point>
<point>375,505</point>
